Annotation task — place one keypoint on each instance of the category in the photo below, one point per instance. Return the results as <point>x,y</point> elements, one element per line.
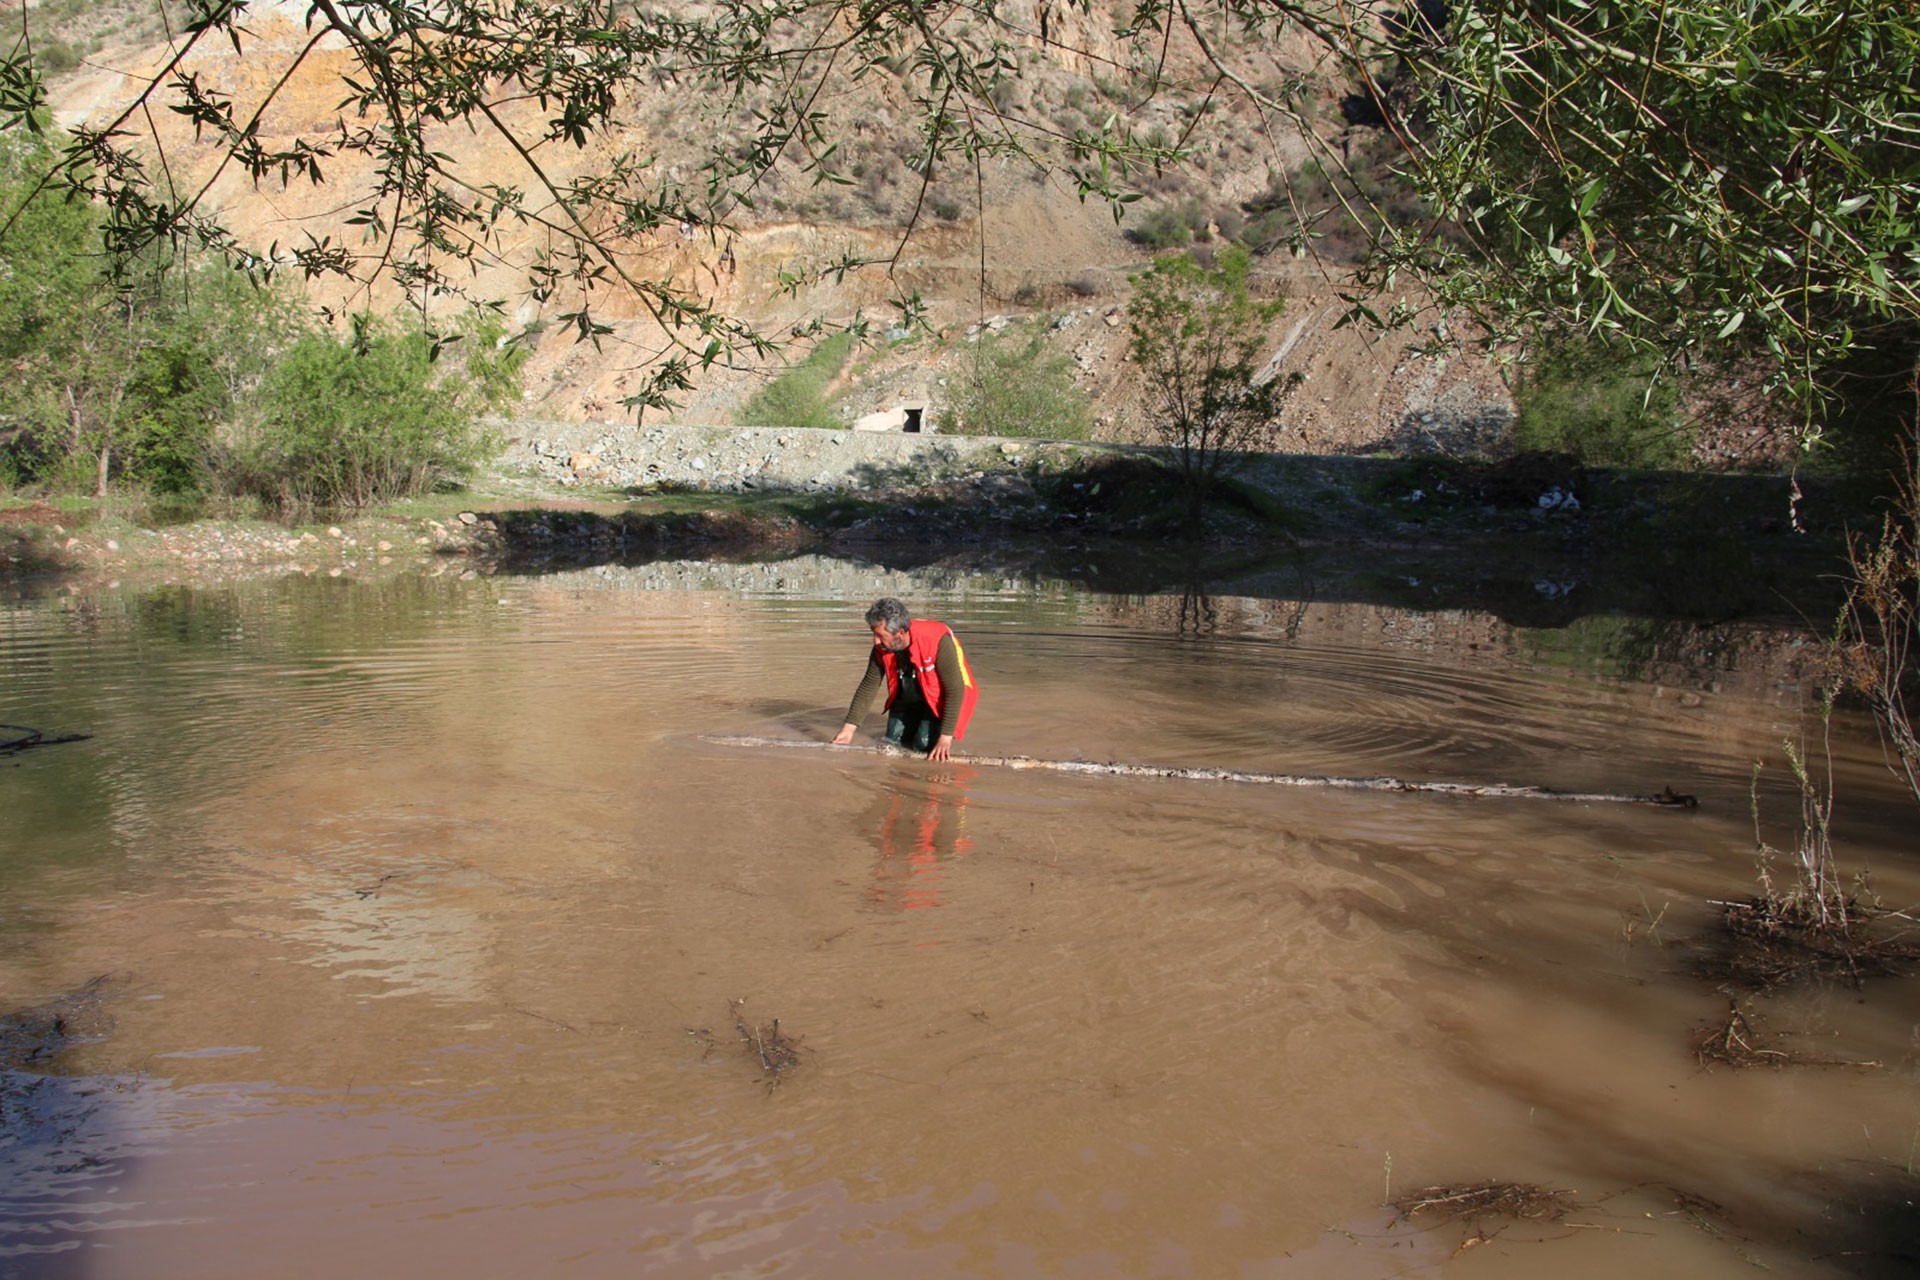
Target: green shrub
<point>1604,407</point>
<point>371,419</point>
<point>56,57</point>
<point>798,397</point>
<point>1171,227</point>
<point>1013,385</point>
<point>1160,230</point>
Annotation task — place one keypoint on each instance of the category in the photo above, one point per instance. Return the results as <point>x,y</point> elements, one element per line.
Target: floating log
<point>1667,798</point>
<point>15,738</point>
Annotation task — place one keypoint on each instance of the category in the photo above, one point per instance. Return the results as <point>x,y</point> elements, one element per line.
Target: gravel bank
<point>744,459</point>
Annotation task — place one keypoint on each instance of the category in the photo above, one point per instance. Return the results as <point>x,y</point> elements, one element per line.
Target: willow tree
<point>1697,178</point>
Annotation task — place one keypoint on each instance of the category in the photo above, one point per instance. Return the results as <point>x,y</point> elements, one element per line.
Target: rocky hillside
<point>1010,246</point>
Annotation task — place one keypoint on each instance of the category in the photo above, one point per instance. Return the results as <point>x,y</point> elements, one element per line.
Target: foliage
<point>45,281</point>
<point>383,415</point>
<point>1198,336</point>
<point>1695,178</point>
<point>1171,226</point>
<point>115,381</point>
<point>1015,385</point>
<point>798,397</point>
<point>1603,406</point>
<point>1875,650</point>
<point>430,86</point>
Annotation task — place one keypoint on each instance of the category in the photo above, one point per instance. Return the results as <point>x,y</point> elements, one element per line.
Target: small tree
<point>1015,386</point>
<point>1198,336</point>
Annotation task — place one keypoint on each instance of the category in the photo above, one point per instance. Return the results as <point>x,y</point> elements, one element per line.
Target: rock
<point>582,461</point>
<point>333,531</point>
<point>467,517</point>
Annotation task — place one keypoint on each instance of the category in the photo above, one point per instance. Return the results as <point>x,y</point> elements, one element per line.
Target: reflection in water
<point>450,862</point>
<point>918,832</point>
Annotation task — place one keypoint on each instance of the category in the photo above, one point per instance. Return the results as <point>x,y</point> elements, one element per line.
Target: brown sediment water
<point>430,923</point>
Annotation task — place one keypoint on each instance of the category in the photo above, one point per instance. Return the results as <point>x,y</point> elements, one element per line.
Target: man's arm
<point>870,686</point>
<point>946,662</point>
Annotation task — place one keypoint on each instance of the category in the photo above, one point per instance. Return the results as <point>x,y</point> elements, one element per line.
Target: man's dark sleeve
<point>946,663</point>
<point>870,686</point>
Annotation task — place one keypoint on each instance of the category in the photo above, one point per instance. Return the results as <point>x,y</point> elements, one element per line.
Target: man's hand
<point>943,749</point>
<point>845,735</point>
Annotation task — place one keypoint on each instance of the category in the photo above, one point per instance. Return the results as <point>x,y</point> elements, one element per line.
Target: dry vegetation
<point>771,1049</point>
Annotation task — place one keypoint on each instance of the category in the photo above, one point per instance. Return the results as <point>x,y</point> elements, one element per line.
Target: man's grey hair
<point>890,613</point>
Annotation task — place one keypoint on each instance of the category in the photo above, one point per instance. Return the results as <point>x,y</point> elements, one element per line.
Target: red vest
<point>923,643</point>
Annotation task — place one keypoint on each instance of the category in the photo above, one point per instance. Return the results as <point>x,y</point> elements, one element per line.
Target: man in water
<point>930,689</point>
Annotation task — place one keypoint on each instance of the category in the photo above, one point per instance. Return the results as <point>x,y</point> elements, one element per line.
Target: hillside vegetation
<point>669,205</point>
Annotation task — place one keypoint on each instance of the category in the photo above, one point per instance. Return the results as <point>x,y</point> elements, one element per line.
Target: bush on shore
<point>385,414</point>
<point>1012,384</point>
<point>1604,407</point>
<point>180,377</point>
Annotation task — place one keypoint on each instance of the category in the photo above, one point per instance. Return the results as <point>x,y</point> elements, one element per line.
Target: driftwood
<point>1667,798</point>
<point>15,738</point>
<point>777,1052</point>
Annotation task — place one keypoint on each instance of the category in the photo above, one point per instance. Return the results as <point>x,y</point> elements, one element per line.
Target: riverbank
<point>1534,538</point>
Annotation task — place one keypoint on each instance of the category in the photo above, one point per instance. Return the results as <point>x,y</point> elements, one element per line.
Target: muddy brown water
<point>424,908</point>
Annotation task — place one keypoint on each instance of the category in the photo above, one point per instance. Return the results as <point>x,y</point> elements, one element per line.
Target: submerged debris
<point>30,1039</point>
<point>1739,1042</point>
<point>776,1052</point>
<point>1765,944</point>
<point>15,738</point>
<point>1520,1201</point>
<point>1735,1044</point>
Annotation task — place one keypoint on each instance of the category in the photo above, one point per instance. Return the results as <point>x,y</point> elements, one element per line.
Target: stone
<point>467,517</point>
